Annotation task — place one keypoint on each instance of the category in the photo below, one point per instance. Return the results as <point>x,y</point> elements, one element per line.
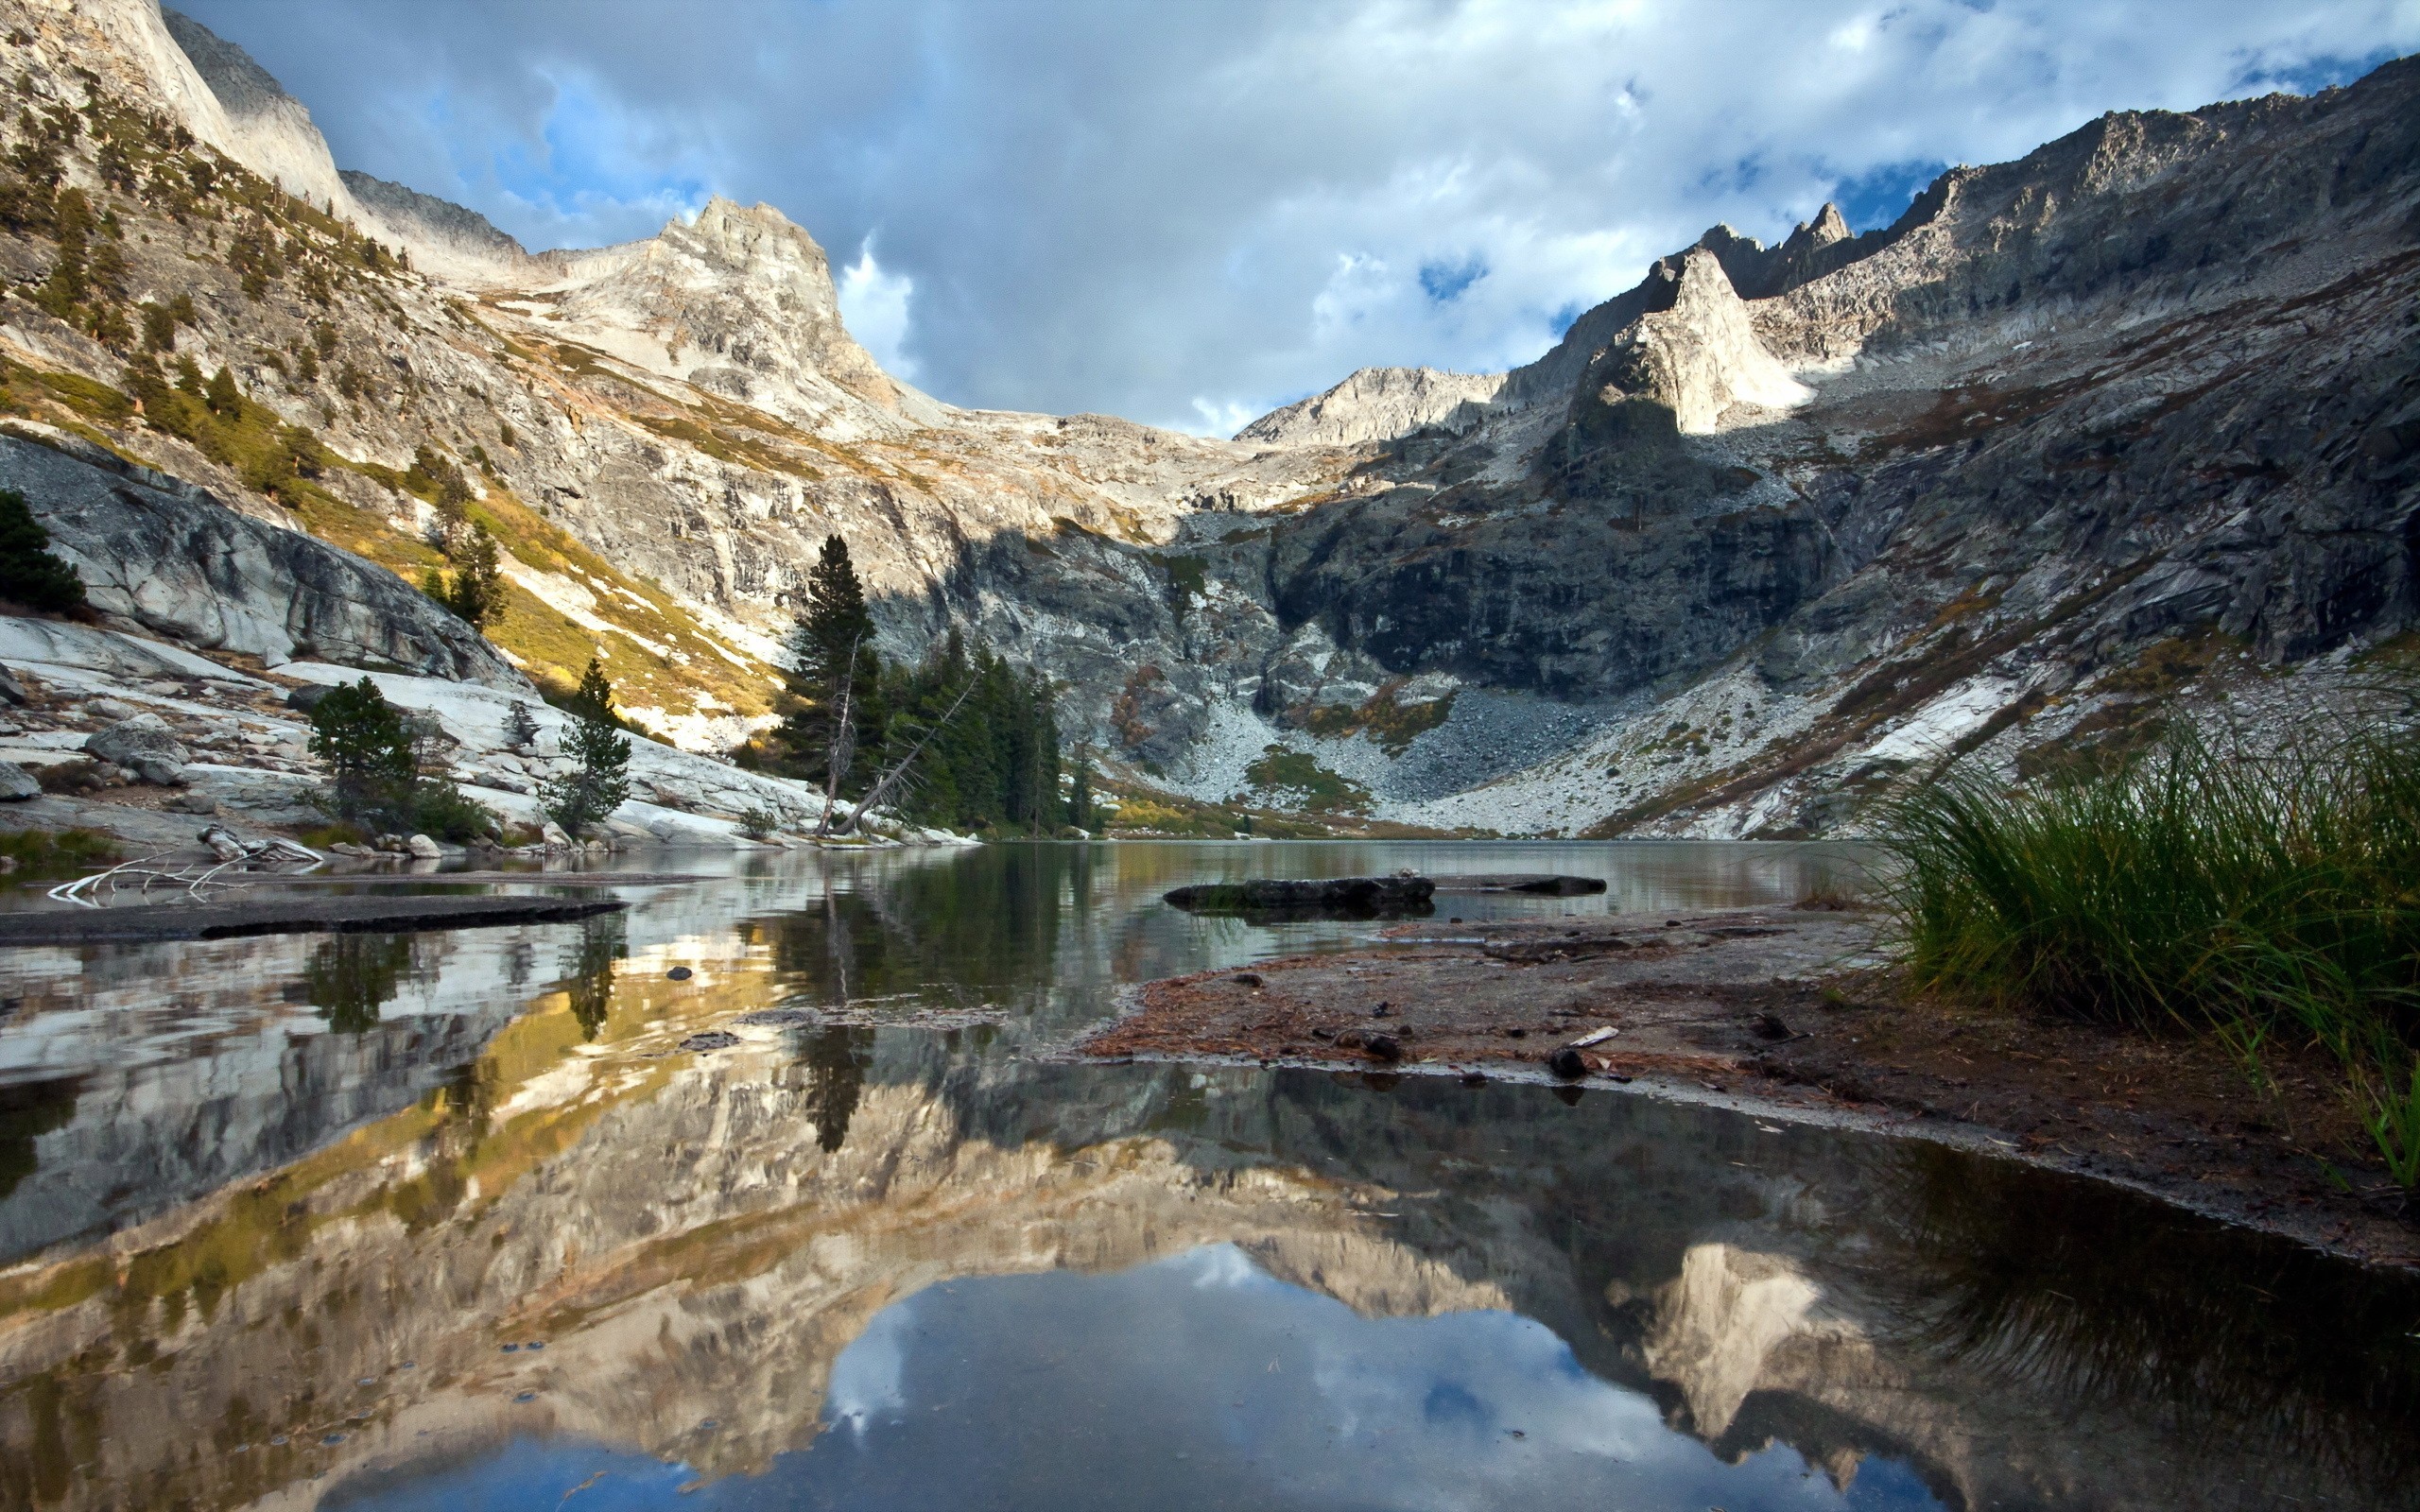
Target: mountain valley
<point>2120,432</point>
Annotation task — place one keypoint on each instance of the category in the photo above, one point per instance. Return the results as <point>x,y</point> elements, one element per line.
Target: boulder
<point>143,738</point>
<point>16,783</point>
<point>12,690</point>
<point>555,837</point>
<point>156,771</point>
<point>424,847</point>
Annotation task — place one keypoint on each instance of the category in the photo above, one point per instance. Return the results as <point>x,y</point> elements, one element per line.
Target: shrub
<point>2243,895</point>
<point>444,811</point>
<point>29,575</point>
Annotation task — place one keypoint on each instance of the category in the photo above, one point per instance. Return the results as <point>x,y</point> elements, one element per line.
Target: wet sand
<point>1793,1014</point>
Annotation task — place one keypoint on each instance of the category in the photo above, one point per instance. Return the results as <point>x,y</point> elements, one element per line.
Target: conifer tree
<point>832,661</point>
<point>594,697</point>
<point>30,574</point>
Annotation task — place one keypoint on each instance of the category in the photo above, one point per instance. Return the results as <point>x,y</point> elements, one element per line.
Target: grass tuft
<point>2257,897</point>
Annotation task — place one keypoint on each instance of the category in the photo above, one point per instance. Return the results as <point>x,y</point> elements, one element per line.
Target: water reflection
<point>351,977</point>
<point>850,1265</point>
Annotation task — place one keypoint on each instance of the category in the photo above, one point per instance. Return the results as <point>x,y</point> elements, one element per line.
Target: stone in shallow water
<point>711,1039</point>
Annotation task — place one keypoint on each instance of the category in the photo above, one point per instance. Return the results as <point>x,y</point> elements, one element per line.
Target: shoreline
<point>1787,1015</point>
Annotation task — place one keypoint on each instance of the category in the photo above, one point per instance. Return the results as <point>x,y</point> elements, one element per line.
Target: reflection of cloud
<point>1220,1266</point>
<point>1199,1380</point>
<point>868,1379</point>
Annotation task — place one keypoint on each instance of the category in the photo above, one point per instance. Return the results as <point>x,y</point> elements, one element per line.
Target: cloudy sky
<point>1190,213</point>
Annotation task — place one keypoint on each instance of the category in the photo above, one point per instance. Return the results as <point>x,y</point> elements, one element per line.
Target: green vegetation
<point>2268,899</point>
<point>376,776</point>
<point>59,853</point>
<point>281,460</point>
<point>1295,780</point>
<point>475,590</point>
<point>601,783</point>
<point>29,575</point>
<point>979,739</point>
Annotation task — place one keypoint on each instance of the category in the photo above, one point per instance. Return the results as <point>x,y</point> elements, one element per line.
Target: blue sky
<point>1188,212</point>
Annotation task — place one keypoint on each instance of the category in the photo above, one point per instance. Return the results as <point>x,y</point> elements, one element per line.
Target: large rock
<point>145,738</point>
<point>16,783</point>
<point>163,555</point>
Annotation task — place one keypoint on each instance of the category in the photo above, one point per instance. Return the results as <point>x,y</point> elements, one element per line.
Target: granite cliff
<point>2078,441</point>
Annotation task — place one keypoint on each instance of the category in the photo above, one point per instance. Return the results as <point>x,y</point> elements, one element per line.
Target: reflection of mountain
<point>190,1075</point>
<point>680,1235</point>
<point>700,1237</point>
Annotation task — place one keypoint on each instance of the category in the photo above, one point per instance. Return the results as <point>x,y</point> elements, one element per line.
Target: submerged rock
<point>1366,895</point>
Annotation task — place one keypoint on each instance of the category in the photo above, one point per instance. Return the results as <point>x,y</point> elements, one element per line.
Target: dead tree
<point>890,780</point>
<point>843,749</point>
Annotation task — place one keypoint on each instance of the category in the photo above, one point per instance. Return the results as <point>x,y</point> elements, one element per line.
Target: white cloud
<point>873,305</point>
<point>1209,210</point>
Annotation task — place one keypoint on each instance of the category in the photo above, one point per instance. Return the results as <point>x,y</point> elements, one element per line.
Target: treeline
<point>960,739</point>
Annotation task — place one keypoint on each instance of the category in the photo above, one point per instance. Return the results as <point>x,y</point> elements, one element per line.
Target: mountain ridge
<point>1724,489</point>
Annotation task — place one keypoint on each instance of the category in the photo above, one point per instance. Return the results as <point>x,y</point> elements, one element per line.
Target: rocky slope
<point>2121,425</point>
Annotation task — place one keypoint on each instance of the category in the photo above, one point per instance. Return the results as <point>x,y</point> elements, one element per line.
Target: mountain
<point>2079,442</point>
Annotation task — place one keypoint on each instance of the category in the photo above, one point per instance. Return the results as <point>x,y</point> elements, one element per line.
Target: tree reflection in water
<point>588,970</point>
<point>351,977</point>
<point>984,922</point>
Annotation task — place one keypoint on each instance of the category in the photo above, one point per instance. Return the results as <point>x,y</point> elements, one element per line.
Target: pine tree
<point>368,747</point>
<point>832,661</point>
<point>221,396</point>
<point>30,574</point>
<point>594,697</point>
<point>475,591</point>
<point>599,784</point>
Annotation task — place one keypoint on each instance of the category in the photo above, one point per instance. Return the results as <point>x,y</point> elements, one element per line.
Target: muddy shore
<point>1792,1014</point>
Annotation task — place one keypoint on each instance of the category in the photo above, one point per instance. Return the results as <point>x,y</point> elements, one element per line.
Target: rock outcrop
<point>167,559</point>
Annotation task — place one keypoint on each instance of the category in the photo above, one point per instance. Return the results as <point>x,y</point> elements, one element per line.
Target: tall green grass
<point>2263,897</point>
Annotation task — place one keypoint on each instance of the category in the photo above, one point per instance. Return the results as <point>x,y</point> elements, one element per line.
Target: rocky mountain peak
<point>1378,404</point>
<point>738,301</point>
<point>265,129</point>
<point>1702,355</point>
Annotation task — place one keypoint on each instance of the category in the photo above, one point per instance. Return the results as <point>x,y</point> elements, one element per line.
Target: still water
<point>455,1221</point>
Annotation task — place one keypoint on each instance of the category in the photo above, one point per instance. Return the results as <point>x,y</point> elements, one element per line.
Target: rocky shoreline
<point>1790,1014</point>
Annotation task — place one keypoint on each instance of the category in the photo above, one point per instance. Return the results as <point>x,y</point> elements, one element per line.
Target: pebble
<point>678,974</point>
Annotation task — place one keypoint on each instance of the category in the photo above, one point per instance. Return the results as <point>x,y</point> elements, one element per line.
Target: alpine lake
<point>525,1217</point>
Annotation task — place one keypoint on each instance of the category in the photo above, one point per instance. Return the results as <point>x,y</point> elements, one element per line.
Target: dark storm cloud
<point>1187,213</point>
